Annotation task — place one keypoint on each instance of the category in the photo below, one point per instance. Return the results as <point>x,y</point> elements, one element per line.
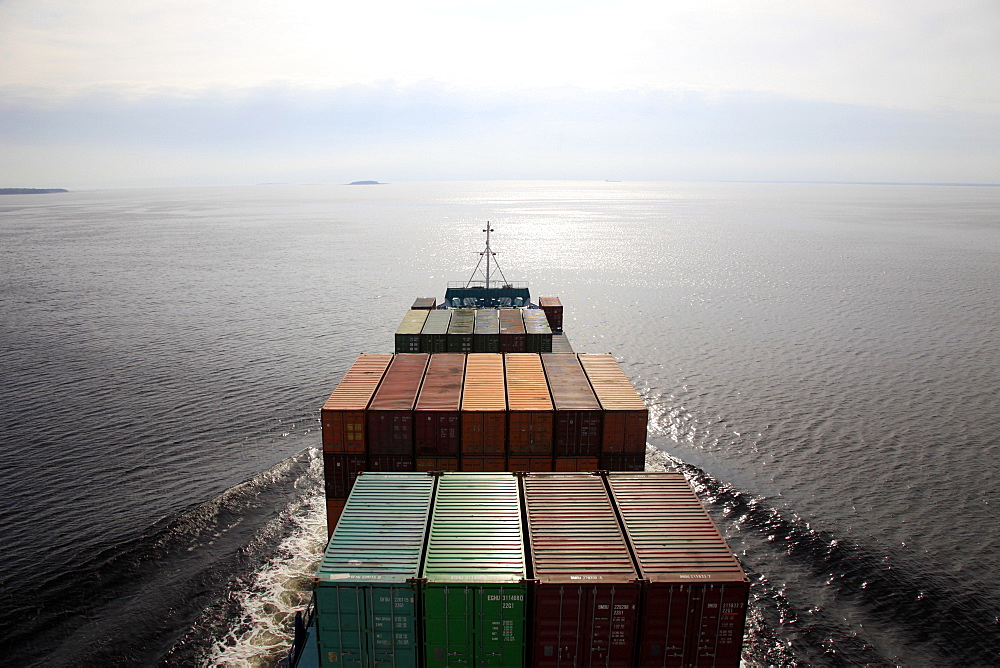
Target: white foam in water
<point>282,586</point>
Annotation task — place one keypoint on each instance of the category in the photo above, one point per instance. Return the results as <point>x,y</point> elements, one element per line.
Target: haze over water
<point>822,361</point>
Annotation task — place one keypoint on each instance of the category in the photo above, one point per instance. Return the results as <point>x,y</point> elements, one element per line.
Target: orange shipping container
<point>484,406</point>
<point>625,414</point>
<point>530,406</point>
<point>484,463</point>
<point>529,463</point>
<point>342,417</point>
<point>437,464</point>
<point>334,507</point>
<point>576,463</point>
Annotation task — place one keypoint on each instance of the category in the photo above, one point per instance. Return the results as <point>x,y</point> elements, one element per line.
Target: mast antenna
<point>490,258</point>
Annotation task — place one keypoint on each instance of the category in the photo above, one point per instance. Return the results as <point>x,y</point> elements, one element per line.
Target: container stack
<point>553,309</point>
<point>538,334</point>
<point>541,569</point>
<point>408,333</point>
<point>480,412</point>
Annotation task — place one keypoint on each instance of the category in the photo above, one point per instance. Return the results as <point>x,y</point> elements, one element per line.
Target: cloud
<point>279,133</point>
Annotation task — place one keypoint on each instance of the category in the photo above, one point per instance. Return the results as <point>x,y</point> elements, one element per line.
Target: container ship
<point>487,505</point>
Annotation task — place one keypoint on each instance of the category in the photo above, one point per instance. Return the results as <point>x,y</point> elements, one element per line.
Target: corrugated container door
<point>365,600</point>
<point>625,414</point>
<point>694,606</point>
<point>484,406</point>
<point>390,413</point>
<point>474,570</point>
<point>339,472</point>
<point>530,406</point>
<point>437,417</point>
<point>434,335</point>
<point>578,423</point>
<point>408,333</point>
<point>586,596</point>
<point>342,416</point>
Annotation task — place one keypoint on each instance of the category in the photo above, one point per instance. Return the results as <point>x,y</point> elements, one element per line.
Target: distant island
<point>364,183</point>
<point>31,191</point>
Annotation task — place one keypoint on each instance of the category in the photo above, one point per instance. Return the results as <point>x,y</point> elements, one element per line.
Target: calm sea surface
<point>822,361</point>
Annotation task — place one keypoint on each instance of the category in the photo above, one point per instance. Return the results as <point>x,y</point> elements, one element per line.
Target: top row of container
<point>474,331</point>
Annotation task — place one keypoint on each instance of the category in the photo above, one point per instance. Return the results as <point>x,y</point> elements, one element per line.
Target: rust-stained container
<point>437,464</point>
<point>390,413</point>
<point>530,416</point>
<point>437,417</point>
<point>334,507</point>
<point>424,303</point>
<point>620,462</point>
<point>484,406</point>
<point>461,330</point>
<point>487,335</point>
<point>576,463</point>
<point>625,414</point>
<point>434,335</point>
<point>553,310</point>
<point>408,333</point>
<point>529,463</point>
<point>342,416</point>
<point>577,428</point>
<point>475,463</point>
<point>538,334</point>
<point>391,463</point>
<point>586,592</point>
<point>694,606</point>
<point>512,336</point>
<point>339,473</point>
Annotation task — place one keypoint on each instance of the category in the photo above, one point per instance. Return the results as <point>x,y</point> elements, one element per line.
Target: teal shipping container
<point>474,587</point>
<point>538,334</point>
<point>487,335</point>
<point>434,335</point>
<point>461,330</point>
<point>365,585</point>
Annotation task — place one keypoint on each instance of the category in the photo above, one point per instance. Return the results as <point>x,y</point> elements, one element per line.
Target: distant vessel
<point>364,183</point>
<point>432,564</point>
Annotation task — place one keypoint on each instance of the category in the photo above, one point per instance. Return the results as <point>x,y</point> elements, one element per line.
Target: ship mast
<point>491,263</point>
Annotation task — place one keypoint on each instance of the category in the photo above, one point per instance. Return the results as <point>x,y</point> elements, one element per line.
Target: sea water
<point>821,360</point>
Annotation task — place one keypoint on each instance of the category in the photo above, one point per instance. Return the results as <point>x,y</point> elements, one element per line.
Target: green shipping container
<point>408,333</point>
<point>537,331</point>
<point>434,335</point>
<point>487,336</point>
<point>365,592</point>
<point>460,331</point>
<point>474,574</point>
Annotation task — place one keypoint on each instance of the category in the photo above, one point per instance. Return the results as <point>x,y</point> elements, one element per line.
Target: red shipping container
<point>620,462</point>
<point>625,414</point>
<point>484,463</point>
<point>577,427</point>
<point>553,311</point>
<point>588,463</point>
<point>342,416</point>
<point>390,413</point>
<point>424,303</point>
<point>437,464</point>
<point>339,472</point>
<point>390,463</point>
<point>436,417</point>
<point>694,606</point>
<point>529,463</point>
<point>586,596</point>
<point>512,334</point>
<point>334,507</point>
<point>484,406</point>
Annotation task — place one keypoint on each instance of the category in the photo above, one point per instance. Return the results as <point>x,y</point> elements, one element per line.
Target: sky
<point>106,93</point>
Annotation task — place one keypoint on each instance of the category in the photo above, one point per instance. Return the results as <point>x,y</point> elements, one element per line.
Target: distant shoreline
<point>31,191</point>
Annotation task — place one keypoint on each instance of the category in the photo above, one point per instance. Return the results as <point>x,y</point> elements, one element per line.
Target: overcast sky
<point>106,93</point>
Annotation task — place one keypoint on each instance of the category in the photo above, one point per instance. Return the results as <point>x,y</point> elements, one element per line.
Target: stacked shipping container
<point>512,335</point>
<point>625,569</point>
<point>480,412</point>
<point>553,310</point>
<point>434,335</point>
